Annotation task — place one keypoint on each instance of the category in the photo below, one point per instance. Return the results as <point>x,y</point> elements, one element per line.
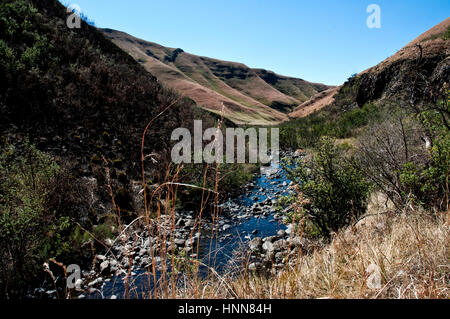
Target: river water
<point>217,251</point>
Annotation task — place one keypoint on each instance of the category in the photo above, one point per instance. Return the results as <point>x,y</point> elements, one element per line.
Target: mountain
<point>249,96</point>
<point>315,103</point>
<point>76,94</point>
<point>416,73</point>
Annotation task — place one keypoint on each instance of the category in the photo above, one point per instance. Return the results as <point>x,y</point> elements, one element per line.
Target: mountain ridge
<point>249,96</point>
<point>426,57</point>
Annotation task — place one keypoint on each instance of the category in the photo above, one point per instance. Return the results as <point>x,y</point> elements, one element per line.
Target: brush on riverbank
<point>411,252</point>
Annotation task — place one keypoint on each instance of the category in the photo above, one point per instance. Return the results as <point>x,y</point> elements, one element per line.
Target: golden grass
<point>411,250</point>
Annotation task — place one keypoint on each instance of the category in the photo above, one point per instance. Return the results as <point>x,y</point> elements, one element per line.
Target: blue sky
<point>321,41</point>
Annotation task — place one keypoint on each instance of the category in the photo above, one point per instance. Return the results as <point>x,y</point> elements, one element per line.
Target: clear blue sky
<point>321,41</point>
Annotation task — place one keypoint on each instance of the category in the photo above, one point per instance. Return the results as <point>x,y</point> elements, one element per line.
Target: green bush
<point>29,232</point>
<point>334,187</point>
<point>428,184</point>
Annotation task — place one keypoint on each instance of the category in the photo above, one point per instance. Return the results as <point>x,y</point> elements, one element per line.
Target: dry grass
<point>315,103</point>
<point>411,250</point>
<point>211,83</point>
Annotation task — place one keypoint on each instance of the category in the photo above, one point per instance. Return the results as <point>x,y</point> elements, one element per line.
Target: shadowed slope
<point>421,67</point>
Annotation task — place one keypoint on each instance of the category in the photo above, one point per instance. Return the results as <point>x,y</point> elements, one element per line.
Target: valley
<point>89,180</point>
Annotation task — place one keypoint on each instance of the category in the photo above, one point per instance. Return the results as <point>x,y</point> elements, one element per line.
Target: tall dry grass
<point>411,250</point>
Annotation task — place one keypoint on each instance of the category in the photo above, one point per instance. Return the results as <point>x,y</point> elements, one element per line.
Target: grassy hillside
<point>250,96</point>
<point>413,78</point>
<point>73,109</point>
<point>299,89</point>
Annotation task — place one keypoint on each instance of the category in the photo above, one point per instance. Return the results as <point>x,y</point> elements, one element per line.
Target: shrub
<point>29,232</point>
<point>334,187</point>
<point>306,132</point>
<point>384,150</point>
<point>395,157</point>
<point>428,184</point>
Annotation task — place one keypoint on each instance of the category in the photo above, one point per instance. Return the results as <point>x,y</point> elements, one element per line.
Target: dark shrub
<point>334,187</point>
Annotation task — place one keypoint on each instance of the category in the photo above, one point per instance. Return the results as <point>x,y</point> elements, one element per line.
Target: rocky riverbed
<point>248,224</point>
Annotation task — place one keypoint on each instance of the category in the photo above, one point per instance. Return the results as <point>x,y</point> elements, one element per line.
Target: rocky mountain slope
<point>415,74</point>
<point>77,96</point>
<point>73,92</point>
<point>249,96</point>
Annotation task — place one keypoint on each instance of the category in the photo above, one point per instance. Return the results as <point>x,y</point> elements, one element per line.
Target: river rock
<point>289,229</point>
<point>101,258</point>
<point>269,239</point>
<point>270,256</point>
<point>179,242</point>
<point>268,246</point>
<point>93,283</point>
<point>146,262</point>
<point>104,267</point>
<point>147,243</point>
<point>281,233</point>
<point>181,223</point>
<point>279,256</point>
<point>255,244</point>
<point>279,245</point>
<point>254,266</point>
<point>78,284</point>
<point>297,242</point>
<point>188,223</point>
<point>256,209</point>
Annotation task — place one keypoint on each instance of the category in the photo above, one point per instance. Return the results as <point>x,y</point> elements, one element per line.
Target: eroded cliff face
<point>418,80</point>
<point>421,79</point>
<point>415,74</point>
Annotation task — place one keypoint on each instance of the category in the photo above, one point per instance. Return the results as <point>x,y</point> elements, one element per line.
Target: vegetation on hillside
<point>306,132</point>
<point>80,105</point>
<point>333,187</point>
<point>77,162</point>
<point>32,227</point>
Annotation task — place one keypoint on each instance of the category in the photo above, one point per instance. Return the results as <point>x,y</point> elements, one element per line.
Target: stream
<point>243,218</point>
